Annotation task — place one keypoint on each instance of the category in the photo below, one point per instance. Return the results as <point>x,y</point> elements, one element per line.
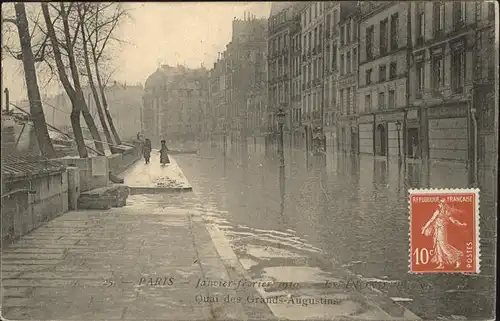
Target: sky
<point>186,33</point>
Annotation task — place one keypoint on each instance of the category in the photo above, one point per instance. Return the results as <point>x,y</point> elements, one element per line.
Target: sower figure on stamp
<point>163,153</point>
<point>444,252</point>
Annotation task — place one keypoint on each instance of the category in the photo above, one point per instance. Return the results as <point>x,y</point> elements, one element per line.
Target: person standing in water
<point>163,153</point>
<point>146,150</point>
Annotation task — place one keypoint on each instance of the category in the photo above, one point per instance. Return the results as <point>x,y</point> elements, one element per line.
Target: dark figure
<point>146,150</point>
<point>163,153</point>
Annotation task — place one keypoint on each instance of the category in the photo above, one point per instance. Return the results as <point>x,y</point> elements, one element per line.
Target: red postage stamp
<point>444,231</point>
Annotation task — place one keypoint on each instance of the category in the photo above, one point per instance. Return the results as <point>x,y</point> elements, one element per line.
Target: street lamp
<point>281,121</point>
<point>398,128</point>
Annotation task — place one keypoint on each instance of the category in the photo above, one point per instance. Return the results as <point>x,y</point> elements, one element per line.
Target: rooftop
<point>22,166</point>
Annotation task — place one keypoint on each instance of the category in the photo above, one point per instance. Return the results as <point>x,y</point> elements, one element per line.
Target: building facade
<point>453,60</point>
<point>174,104</point>
<point>284,68</point>
<point>238,97</point>
<point>347,77</point>
<point>382,79</point>
<point>312,26</point>
<point>332,16</point>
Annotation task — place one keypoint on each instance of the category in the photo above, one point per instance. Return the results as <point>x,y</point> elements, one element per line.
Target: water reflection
<point>353,207</point>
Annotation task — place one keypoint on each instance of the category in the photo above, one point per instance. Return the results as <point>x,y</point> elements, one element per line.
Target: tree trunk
<point>36,109</point>
<point>80,98</point>
<point>75,112</point>
<point>95,94</point>
<point>105,103</point>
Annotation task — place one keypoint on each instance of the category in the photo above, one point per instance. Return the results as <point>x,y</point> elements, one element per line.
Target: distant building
<point>312,28</point>
<point>124,103</point>
<point>174,104</point>
<point>346,42</point>
<point>284,65</point>
<point>237,82</point>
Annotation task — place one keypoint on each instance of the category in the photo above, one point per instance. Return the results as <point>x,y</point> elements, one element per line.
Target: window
<point>394,31</point>
<point>392,70</point>
<point>368,77</point>
<point>457,70</point>
<point>437,73</point>
<point>368,102</point>
<point>334,58</point>
<point>491,11</point>
<point>420,79</point>
<point>342,71</point>
<point>459,9</point>
<point>328,23</point>
<point>381,101</point>
<point>369,43</point>
<point>342,101</point>
<point>315,42</point>
<point>392,98</point>
<point>320,40</point>
<point>382,73</point>
<point>383,36</point>
<point>342,35</point>
<point>354,58</point>
<point>438,18</point>
<point>349,62</point>
<point>348,100</point>
<point>354,105</point>
<point>420,24</point>
<point>348,32</point>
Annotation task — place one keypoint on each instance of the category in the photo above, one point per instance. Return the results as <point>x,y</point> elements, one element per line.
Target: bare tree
<point>83,10</point>
<point>75,92</point>
<point>28,59</point>
<point>100,28</point>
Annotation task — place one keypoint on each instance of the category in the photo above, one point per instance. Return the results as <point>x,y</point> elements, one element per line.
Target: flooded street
<point>296,223</point>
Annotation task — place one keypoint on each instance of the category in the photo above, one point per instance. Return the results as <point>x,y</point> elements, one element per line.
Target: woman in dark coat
<point>146,150</point>
<point>163,153</point>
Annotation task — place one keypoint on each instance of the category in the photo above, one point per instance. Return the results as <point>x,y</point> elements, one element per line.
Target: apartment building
<point>312,27</point>
<point>453,67</point>
<point>332,17</point>
<point>382,99</point>
<point>238,93</point>
<point>347,78</point>
<point>173,99</point>
<point>280,25</point>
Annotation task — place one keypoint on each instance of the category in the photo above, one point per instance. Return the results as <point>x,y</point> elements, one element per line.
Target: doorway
<point>381,141</point>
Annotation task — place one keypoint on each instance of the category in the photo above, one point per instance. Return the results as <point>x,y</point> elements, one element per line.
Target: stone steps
<point>104,197</point>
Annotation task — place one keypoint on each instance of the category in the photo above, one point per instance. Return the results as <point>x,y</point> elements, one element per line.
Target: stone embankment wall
<point>36,199</point>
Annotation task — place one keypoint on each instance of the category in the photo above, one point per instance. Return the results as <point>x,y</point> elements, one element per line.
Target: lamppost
<point>281,121</point>
<point>398,128</point>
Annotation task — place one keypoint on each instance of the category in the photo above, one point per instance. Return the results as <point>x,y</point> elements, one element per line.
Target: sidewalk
<point>117,265</point>
<point>154,177</point>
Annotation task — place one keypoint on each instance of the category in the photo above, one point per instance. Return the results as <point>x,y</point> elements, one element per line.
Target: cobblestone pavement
<point>118,264</point>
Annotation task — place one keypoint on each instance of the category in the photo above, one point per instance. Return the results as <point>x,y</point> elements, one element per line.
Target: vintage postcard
<point>304,160</point>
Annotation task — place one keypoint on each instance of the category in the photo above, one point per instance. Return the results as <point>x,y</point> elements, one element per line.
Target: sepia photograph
<point>304,160</point>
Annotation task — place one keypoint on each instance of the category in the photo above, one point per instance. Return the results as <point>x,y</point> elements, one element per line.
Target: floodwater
<point>283,221</point>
